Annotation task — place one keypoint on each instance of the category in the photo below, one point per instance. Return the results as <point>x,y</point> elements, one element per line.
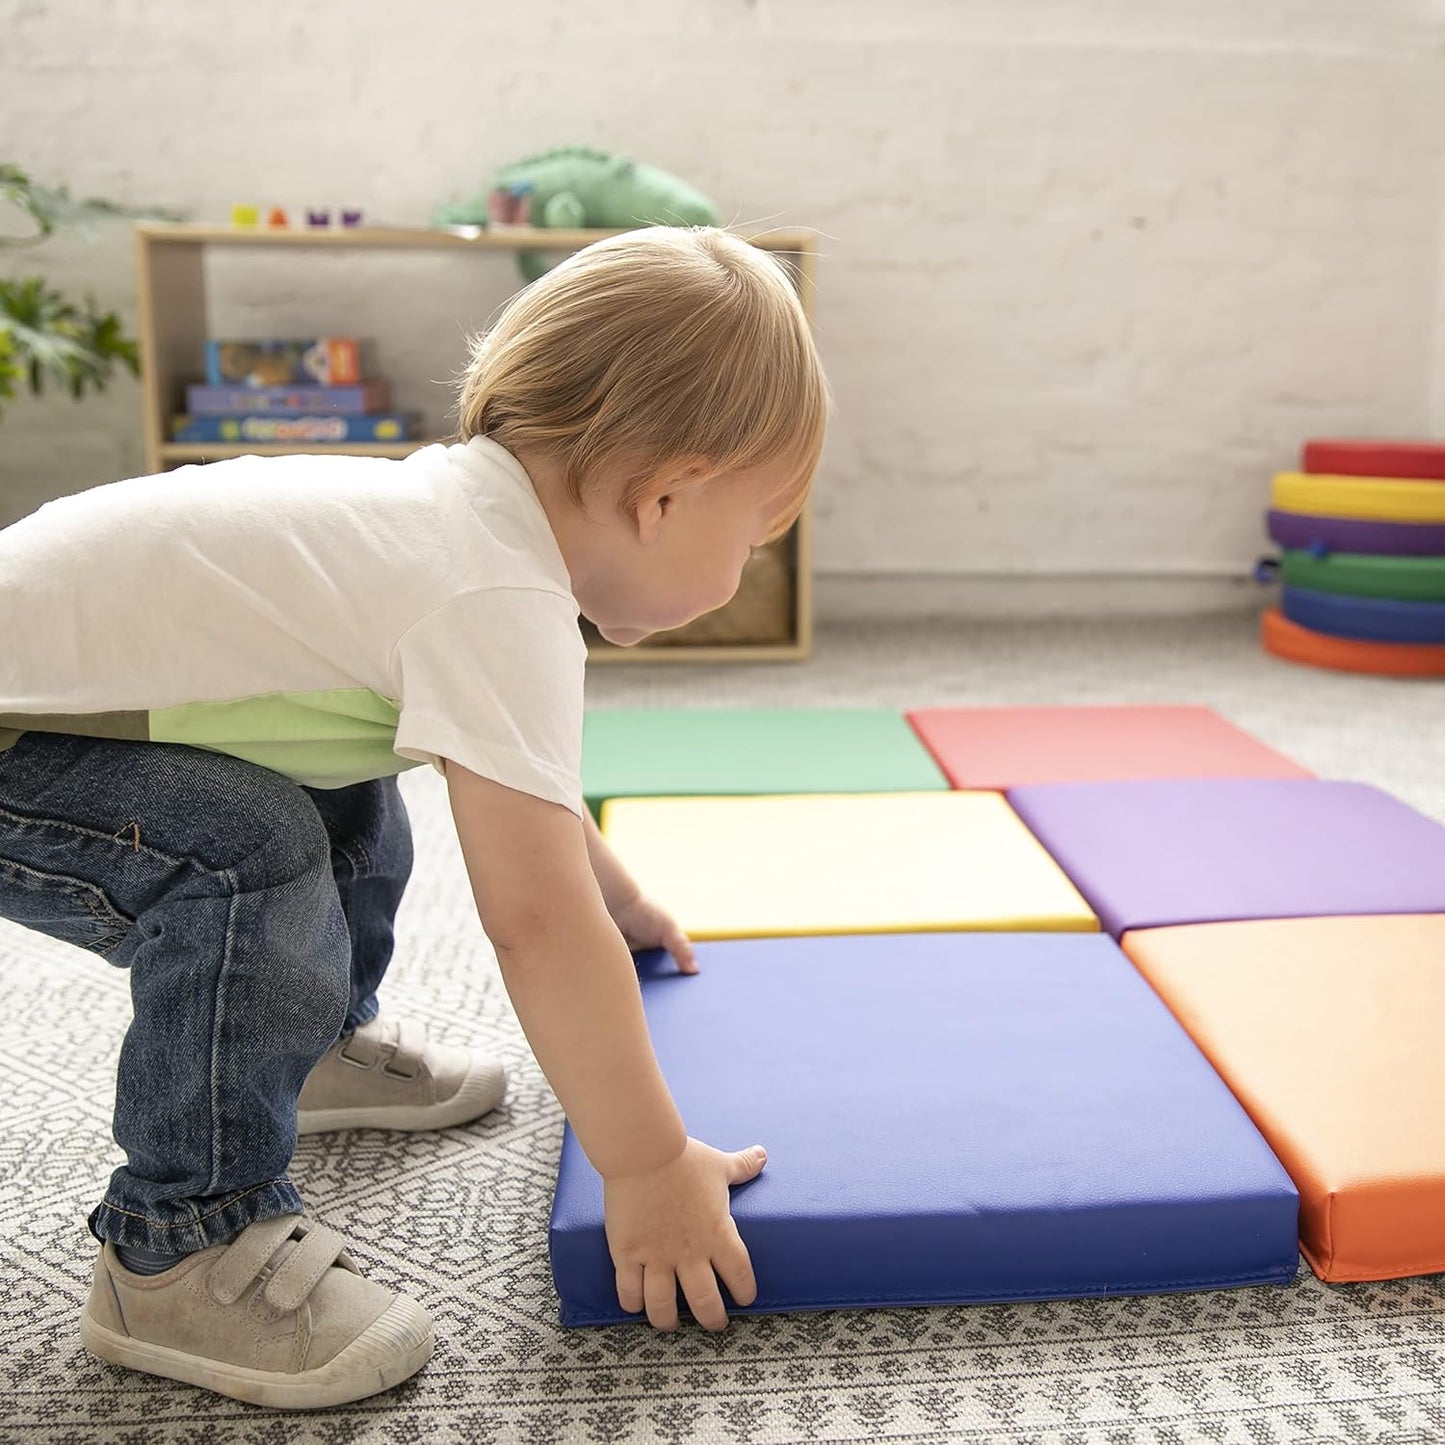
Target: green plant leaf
<point>52,207</point>
<point>45,337</point>
<point>53,340</point>
<point>10,373</point>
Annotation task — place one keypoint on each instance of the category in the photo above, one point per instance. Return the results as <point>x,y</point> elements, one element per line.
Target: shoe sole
<point>479,1094</point>
<point>370,1364</point>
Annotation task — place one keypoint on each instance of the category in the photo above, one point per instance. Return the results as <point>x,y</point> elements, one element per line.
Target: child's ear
<point>647,514</point>
<point>672,481</point>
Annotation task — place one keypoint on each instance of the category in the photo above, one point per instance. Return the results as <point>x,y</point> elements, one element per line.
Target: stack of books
<point>294,393</point>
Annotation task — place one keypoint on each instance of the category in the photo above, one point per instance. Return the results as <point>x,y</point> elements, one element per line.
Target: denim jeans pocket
<point>71,909</point>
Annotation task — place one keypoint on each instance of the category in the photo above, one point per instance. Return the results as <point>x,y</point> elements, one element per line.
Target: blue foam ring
<point>1367,619</point>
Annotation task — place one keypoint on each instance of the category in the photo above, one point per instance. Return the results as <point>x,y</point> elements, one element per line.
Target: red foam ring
<point>1343,457</point>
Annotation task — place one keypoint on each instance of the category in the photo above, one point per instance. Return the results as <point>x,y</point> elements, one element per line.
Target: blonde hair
<point>644,348</point>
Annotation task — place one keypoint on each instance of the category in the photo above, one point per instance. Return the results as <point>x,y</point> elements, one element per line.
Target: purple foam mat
<point>1346,534</point>
<point>1156,853</point>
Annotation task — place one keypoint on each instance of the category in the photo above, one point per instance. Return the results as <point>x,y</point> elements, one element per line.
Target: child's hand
<point>644,925</point>
<point>672,1227</point>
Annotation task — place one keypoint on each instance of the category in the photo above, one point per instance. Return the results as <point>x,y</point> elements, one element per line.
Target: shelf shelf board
<point>521,238</point>
<point>700,652</point>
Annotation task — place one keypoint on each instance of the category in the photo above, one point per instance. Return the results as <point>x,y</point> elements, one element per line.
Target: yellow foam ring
<point>792,866</point>
<point>1372,499</point>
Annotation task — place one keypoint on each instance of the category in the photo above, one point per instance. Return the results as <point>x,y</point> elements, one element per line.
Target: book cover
<point>326,361</point>
<point>307,430</point>
<point>207,400</point>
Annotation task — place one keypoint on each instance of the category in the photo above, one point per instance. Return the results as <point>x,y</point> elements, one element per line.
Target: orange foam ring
<point>1289,640</point>
<point>1327,1032</point>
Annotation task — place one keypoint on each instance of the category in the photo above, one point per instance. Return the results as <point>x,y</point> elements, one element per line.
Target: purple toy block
<point>1157,853</point>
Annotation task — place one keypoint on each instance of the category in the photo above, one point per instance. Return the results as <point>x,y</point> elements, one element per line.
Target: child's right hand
<point>574,985</point>
<point>672,1227</point>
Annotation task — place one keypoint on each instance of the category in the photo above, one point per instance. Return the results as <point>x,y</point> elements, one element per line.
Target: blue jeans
<point>255,917</point>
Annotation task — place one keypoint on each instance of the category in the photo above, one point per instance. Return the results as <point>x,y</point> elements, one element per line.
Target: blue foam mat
<point>1368,619</point>
<point>950,1118</point>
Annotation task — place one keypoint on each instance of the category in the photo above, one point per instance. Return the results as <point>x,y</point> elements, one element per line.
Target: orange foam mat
<point>1349,654</point>
<point>1328,1032</point>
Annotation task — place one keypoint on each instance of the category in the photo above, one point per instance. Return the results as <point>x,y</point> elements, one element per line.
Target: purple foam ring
<point>1348,534</point>
<point>351,218</point>
<point>318,218</point>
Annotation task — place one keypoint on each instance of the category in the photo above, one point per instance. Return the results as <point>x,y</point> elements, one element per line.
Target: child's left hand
<point>644,925</point>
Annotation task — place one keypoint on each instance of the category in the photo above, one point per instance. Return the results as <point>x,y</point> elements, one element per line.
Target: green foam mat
<point>1357,574</point>
<point>685,752</point>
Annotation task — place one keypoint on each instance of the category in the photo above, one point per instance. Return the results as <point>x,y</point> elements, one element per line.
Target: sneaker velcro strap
<point>406,1054</point>
<point>247,1255</point>
<point>363,1048</point>
<point>316,1250</point>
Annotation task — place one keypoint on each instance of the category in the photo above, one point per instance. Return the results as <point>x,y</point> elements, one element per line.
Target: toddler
<point>209,681</point>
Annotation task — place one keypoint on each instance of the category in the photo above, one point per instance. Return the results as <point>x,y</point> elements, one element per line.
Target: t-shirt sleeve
<point>493,680</point>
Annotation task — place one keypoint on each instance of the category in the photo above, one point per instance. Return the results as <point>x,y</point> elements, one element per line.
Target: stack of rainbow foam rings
<point>1361,528</point>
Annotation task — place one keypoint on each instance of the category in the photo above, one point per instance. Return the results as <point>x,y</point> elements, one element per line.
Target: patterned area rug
<point>459,1218</point>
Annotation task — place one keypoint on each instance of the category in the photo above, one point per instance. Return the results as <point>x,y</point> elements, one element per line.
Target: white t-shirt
<point>334,618</point>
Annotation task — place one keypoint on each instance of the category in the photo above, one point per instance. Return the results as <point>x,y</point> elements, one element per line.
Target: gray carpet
<point>459,1218</point>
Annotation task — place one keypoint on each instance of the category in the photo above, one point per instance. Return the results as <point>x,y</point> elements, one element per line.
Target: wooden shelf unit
<point>172,324</point>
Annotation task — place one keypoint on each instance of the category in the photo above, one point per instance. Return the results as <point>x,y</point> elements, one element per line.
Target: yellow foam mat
<point>790,866</point>
<point>1373,499</point>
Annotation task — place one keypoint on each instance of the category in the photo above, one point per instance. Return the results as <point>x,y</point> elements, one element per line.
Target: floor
<point>459,1218</point>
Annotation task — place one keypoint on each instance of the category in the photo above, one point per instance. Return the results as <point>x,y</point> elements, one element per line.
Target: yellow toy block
<point>794,865</point>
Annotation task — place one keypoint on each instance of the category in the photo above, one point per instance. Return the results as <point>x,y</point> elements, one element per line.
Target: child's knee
<point>274,838</point>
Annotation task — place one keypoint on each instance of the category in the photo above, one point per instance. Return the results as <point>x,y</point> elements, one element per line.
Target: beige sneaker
<point>280,1316</point>
<point>388,1076</point>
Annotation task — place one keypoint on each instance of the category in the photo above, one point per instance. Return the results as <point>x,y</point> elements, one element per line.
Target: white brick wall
<point>1092,267</point>
<point>1438,367</point>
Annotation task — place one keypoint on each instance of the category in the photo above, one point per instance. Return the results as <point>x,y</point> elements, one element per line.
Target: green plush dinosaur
<point>576,187</point>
